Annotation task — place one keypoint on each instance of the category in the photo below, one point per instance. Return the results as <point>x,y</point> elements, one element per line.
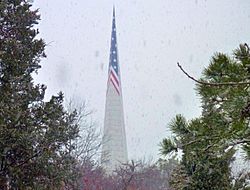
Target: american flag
<point>114,73</point>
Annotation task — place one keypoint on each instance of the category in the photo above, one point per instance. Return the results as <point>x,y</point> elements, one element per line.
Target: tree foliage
<point>35,136</point>
<point>209,142</point>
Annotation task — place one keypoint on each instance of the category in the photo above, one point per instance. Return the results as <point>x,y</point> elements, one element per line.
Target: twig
<point>210,83</point>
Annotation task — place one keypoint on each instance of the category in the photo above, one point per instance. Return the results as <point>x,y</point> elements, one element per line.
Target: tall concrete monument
<point>114,148</point>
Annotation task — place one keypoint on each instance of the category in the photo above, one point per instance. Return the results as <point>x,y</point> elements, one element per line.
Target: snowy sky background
<point>152,36</point>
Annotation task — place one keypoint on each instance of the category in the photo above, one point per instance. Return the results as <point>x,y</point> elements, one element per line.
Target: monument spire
<point>114,148</point>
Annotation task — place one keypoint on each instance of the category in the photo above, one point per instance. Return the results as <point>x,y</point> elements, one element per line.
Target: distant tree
<point>87,149</point>
<point>140,175</point>
<point>88,143</point>
<point>209,142</point>
<point>129,176</point>
<point>35,136</point>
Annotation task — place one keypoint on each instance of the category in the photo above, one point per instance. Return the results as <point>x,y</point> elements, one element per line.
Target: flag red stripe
<point>115,77</point>
<point>114,85</point>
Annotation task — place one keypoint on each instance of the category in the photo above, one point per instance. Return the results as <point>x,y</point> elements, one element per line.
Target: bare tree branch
<point>210,83</point>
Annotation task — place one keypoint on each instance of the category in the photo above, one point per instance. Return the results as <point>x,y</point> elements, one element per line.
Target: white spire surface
<point>114,148</point>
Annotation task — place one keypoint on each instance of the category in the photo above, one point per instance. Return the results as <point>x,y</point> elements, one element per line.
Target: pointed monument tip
<point>113,10</point>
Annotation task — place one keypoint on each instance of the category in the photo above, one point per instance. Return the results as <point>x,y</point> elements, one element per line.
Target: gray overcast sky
<point>152,36</point>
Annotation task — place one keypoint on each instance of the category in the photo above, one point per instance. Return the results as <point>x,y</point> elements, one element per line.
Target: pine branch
<point>210,83</point>
<point>243,141</point>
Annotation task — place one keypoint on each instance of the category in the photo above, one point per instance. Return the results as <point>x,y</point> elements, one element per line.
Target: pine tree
<point>35,136</point>
<point>209,142</point>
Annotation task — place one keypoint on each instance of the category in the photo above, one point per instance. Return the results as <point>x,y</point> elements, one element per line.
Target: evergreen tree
<point>209,142</point>
<point>35,136</point>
